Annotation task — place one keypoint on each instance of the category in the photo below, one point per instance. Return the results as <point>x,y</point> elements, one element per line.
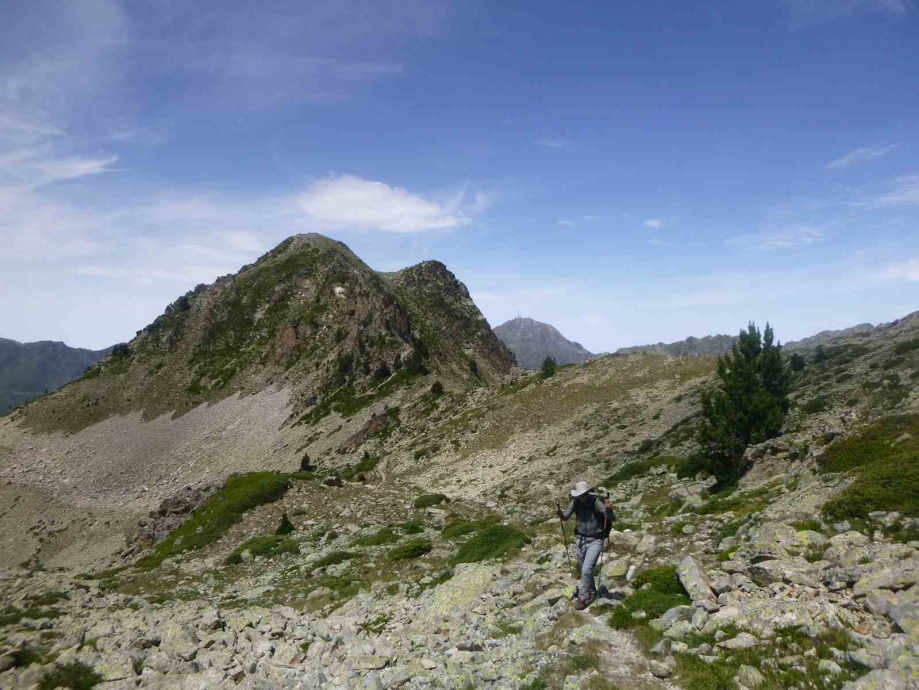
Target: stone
<point>878,680</point>
<point>749,677</point>
<point>906,617</point>
<point>897,576</point>
<point>676,614</point>
<point>829,666</point>
<point>367,662</point>
<point>662,648</point>
<point>678,630</point>
<point>695,580</point>
<point>880,601</point>
<point>742,641</point>
<point>659,669</point>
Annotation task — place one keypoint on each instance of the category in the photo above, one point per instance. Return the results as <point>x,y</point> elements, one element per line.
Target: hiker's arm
<point>566,513</point>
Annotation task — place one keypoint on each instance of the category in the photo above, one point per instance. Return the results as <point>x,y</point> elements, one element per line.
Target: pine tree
<point>750,405</point>
<point>548,367</point>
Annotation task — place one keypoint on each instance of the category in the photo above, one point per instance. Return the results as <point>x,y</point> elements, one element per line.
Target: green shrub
<point>75,675</point>
<point>652,602</point>
<point>286,526</point>
<point>411,549</point>
<point>274,545</point>
<point>220,512</point>
<point>813,525</point>
<point>887,476</point>
<point>634,469</point>
<point>428,500</point>
<point>549,367</point>
<point>334,558</point>
<point>413,527</point>
<point>492,542</point>
<point>726,555</point>
<point>815,405</point>
<point>10,615</point>
<point>461,527</point>
<point>893,363</point>
<point>662,579</point>
<point>908,346</point>
<point>384,536</point>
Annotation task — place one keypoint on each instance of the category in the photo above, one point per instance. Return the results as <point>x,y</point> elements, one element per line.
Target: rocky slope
<point>28,370</point>
<point>709,345</point>
<point>796,579</point>
<point>532,341</point>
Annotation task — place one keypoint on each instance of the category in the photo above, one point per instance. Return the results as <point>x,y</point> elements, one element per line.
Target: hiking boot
<point>591,598</point>
<point>580,605</point>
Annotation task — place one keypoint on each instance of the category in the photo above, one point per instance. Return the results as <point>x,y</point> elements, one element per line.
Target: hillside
<point>28,370</point>
<point>709,345</point>
<point>532,341</point>
<point>424,552</point>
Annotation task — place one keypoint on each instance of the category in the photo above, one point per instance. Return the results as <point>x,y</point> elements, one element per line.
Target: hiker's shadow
<point>605,593</point>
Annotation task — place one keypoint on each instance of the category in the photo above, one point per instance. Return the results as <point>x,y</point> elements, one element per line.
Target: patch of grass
<point>506,628</point>
<point>893,363</point>
<point>412,549</point>
<point>273,545</point>
<point>48,598</point>
<point>383,536</point>
<point>738,503</point>
<point>635,469</point>
<point>10,615</point>
<point>812,525</point>
<point>870,445</point>
<point>213,518</point>
<point>676,529</point>
<point>76,675</point>
<point>492,542</point>
<point>462,527</point>
<point>413,527</point>
<point>428,500</point>
<point>367,464</point>
<point>334,558</point>
<point>375,626</point>
<point>664,593</point>
<point>726,555</point>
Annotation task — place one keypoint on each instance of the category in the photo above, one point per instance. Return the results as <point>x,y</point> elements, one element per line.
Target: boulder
<point>695,580</point>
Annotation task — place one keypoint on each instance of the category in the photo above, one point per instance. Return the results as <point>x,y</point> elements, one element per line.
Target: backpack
<point>609,521</point>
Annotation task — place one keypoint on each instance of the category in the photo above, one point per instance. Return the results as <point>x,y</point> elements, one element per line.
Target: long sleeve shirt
<point>589,516</point>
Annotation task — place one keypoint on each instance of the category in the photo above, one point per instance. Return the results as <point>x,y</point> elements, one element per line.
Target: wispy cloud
<point>904,191</point>
<point>591,217</point>
<point>351,202</point>
<point>656,242</point>
<point>656,224</point>
<point>862,155</point>
<point>551,142</point>
<point>803,13</point>
<point>567,223</point>
<point>902,271</point>
<point>784,238</point>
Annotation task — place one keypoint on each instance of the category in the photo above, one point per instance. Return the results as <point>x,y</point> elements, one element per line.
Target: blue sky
<point>629,172</point>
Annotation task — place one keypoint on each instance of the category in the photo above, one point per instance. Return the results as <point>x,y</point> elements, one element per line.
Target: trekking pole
<point>564,534</point>
<point>602,547</point>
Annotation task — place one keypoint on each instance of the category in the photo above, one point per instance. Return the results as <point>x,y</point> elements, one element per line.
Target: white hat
<point>579,489</point>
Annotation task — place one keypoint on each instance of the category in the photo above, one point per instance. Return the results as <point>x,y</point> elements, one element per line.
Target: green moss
<point>274,545</point>
<point>409,550</point>
<point>492,542</point>
<point>220,512</point>
<point>428,500</point>
<point>726,555</point>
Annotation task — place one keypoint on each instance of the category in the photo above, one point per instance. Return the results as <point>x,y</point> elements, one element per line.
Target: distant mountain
<point>825,336</point>
<point>709,345</point>
<point>532,341</point>
<point>29,369</point>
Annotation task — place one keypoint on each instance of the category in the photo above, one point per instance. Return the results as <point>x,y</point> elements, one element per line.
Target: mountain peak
<point>532,341</point>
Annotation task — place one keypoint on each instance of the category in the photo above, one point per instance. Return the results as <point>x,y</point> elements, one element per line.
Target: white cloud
<point>907,271</point>
<point>904,191</point>
<point>784,238</point>
<point>656,224</point>
<point>351,202</point>
<point>555,143</point>
<point>861,155</point>
<point>567,223</point>
<point>805,13</point>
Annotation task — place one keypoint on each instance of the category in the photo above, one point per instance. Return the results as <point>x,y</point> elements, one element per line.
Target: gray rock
<point>749,677</point>
<point>695,580</point>
<point>906,617</point>
<point>659,669</point>
<point>742,641</point>
<point>677,613</point>
<point>880,601</point>
<point>878,680</point>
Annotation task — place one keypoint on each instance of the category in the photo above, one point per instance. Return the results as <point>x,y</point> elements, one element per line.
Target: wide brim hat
<point>580,489</point>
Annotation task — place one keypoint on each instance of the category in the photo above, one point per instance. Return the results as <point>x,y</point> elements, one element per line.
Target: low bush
<point>413,527</point>
<point>492,542</point>
<point>273,545</point>
<point>893,363</point>
<point>887,475</point>
<point>384,536</point>
<point>726,555</point>
<point>815,405</point>
<point>907,346</point>
<point>428,500</point>
<point>634,469</point>
<point>334,558</point>
<point>462,527</point>
<point>409,550</point>
<point>286,526</point>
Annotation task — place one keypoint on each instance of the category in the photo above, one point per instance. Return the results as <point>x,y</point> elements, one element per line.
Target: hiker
<point>591,511</point>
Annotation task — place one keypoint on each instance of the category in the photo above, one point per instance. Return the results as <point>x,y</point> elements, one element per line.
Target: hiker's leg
<point>583,546</point>
<point>589,562</point>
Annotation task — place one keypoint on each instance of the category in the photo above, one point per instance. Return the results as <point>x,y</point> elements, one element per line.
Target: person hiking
<point>591,511</point>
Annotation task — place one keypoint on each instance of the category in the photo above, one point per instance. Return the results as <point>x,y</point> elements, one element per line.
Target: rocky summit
<point>313,475</point>
<point>532,341</point>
